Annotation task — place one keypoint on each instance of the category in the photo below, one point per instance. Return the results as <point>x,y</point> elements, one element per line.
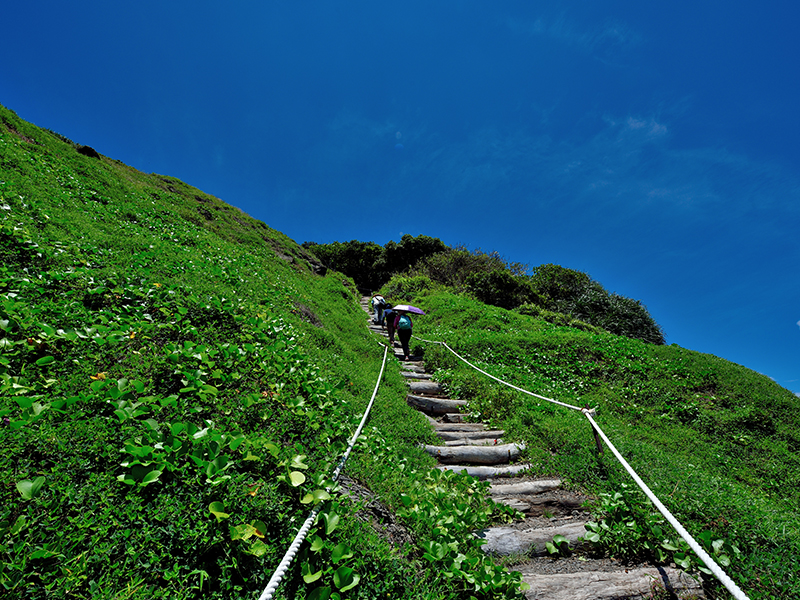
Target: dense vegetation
<point>544,290</point>
<point>176,380</point>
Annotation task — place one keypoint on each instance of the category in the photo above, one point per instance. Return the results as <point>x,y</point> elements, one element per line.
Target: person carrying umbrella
<point>404,326</point>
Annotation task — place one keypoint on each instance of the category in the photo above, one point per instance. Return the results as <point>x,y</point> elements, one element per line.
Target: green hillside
<point>161,355</point>
<point>177,380</point>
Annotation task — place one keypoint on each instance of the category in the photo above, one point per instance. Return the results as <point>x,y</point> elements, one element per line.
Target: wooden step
<point>456,427</point>
<point>525,487</point>
<point>550,504</point>
<point>427,387</point>
<point>475,455</point>
<point>476,442</point>
<point>507,541</point>
<point>437,406</point>
<point>415,375</point>
<point>629,584</point>
<point>461,435</point>
<point>483,472</point>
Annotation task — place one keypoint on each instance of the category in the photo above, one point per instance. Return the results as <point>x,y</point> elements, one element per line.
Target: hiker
<point>378,302</point>
<point>403,325</point>
<point>388,319</point>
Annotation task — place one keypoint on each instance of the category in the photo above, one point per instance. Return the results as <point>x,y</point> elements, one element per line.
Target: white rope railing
<point>729,584</point>
<point>283,566</point>
<point>564,404</point>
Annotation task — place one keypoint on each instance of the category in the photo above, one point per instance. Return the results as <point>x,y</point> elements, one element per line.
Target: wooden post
<point>596,436</point>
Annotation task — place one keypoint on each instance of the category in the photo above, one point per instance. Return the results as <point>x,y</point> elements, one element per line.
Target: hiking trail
<point>548,509</point>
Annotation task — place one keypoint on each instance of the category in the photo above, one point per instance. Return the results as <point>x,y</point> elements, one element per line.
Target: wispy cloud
<point>606,40</point>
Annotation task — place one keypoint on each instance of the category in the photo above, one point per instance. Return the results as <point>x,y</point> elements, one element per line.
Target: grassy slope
<point>717,442</point>
<point>134,309</point>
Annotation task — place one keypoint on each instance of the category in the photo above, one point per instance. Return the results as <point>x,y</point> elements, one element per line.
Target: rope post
<point>591,411</point>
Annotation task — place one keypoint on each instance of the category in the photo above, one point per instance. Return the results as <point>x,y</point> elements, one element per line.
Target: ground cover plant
<point>718,443</point>
<point>176,382</point>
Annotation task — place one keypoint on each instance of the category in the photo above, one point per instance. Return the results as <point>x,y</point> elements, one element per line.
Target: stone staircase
<point>548,509</point>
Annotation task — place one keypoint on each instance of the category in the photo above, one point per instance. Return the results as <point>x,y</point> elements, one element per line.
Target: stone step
<point>628,584</point>
<point>414,368</point>
<point>435,406</point>
<point>475,455</point>
<point>508,541</point>
<point>451,436</point>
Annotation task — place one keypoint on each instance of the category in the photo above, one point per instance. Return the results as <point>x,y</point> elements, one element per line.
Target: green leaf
<point>19,525</point>
<point>218,510</point>
<point>321,593</point>
<point>42,553</point>
<point>258,548</point>
<point>317,543</point>
<point>297,478</point>
<point>341,552</point>
<point>309,576</point>
<point>331,522</point>
<point>151,476</point>
<point>45,360</point>
<point>345,578</point>
<point>297,462</point>
<point>30,489</point>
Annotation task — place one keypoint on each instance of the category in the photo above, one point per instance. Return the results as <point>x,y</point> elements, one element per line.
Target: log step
<point>507,541</point>
<point>483,472</point>
<point>456,427</point>
<point>434,405</point>
<point>413,375</point>
<point>476,455</point>
<point>538,505</point>
<point>427,387</point>
<point>633,584</point>
<point>461,435</point>
<point>525,487</point>
<point>475,442</point>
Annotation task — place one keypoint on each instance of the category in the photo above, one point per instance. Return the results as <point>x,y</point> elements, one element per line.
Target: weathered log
<point>455,418</point>
<point>460,426</point>
<point>438,406</point>
<point>486,472</point>
<point>426,387</point>
<point>470,435</point>
<point>536,505</point>
<point>612,585</point>
<point>506,541</point>
<point>414,375</point>
<point>524,487</point>
<point>476,455</point>
<point>475,442</point>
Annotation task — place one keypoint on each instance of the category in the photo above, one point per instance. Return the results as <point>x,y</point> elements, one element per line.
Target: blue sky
<point>652,145</point>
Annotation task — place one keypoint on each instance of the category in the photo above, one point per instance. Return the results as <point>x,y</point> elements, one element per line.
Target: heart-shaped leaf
<point>30,489</point>
<point>218,510</point>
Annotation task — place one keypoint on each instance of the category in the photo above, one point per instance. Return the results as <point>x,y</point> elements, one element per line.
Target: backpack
<point>404,322</point>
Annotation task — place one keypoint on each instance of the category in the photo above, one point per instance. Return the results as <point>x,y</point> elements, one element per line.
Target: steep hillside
<point>176,379</point>
<point>717,442</point>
